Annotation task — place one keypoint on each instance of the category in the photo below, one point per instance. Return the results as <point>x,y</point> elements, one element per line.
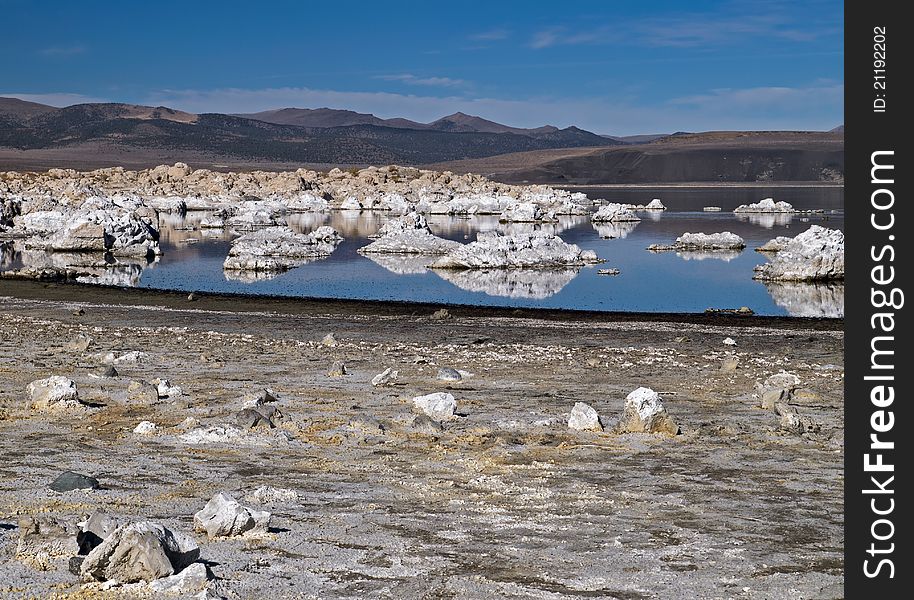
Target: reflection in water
<point>511,283</point>
<point>250,276</point>
<point>808,299</point>
<point>615,230</point>
<point>766,220</point>
<point>724,255</point>
<point>554,228</point>
<point>99,267</point>
<point>402,264</point>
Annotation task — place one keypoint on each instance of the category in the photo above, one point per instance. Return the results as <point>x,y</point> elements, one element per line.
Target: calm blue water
<point>664,282</point>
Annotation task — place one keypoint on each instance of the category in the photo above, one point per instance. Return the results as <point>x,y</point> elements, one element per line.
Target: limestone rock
<point>54,393</point>
<point>439,406</point>
<point>817,254</point>
<point>536,249</point>
<point>644,413</point>
<point>223,516</point>
<point>142,551</point>
<point>703,241</point>
<point>385,377</point>
<point>280,249</point>
<point>584,418</point>
<point>613,213</point>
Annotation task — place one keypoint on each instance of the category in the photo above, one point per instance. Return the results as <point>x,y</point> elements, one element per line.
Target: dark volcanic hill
<point>323,136</point>
<point>713,157</point>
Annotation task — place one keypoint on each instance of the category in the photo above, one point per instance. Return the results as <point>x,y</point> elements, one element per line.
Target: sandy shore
<point>506,502</point>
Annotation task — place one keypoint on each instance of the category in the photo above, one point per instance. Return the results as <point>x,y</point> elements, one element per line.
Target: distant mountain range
<point>289,135</point>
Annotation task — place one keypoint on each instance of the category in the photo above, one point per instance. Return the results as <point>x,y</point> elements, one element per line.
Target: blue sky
<point>617,67</point>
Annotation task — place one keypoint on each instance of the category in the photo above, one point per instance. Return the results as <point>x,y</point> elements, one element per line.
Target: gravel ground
<point>506,502</point>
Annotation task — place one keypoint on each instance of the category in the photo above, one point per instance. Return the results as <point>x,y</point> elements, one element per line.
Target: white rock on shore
<point>817,254</point>
<point>54,393</point>
<point>536,250</point>
<point>584,418</point>
<point>280,248</point>
<point>439,406</point>
<point>143,551</point>
<point>223,516</point>
<point>644,413</point>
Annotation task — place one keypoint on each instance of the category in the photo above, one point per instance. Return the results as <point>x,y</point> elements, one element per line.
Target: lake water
<point>654,282</point>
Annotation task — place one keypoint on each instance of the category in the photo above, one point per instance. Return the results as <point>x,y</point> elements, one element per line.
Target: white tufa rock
<point>534,250</point>
<point>55,392</point>
<point>439,406</point>
<point>166,390</point>
<point>704,241</point>
<point>729,341</point>
<point>266,494</point>
<point>613,213</point>
<point>385,377</point>
<point>768,205</point>
<point>776,245</point>
<point>817,254</point>
<point>145,428</point>
<point>280,249</point>
<point>584,418</point>
<point>644,413</point>
<point>142,551</point>
<point>409,234</point>
<point>190,579</point>
<point>223,516</point>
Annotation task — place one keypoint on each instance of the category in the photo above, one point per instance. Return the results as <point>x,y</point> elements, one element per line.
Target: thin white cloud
<point>56,99</point>
<point>411,79</point>
<point>63,51</point>
<point>814,108</point>
<point>491,35</point>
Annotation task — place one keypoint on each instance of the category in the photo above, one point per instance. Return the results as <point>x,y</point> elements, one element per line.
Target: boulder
<point>223,516</point>
<point>644,413</point>
<point>44,539</point>
<point>448,374</point>
<point>385,377</point>
<point>584,418</point>
<point>145,428</point>
<point>164,389</point>
<point>191,579</point>
<point>767,205</point>
<point>439,406</point>
<point>54,393</point>
<point>249,418</point>
<point>69,481</point>
<point>817,254</point>
<point>426,425</point>
<point>337,369</point>
<point>94,530</point>
<point>143,551</point>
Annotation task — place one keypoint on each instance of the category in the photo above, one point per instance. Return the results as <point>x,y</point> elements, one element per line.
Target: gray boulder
<point>644,413</point>
<point>223,516</point>
<point>142,551</point>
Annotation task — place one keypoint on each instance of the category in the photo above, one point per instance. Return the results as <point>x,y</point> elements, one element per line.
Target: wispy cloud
<point>63,51</point>
<point>817,107</point>
<point>56,99</point>
<point>695,29</point>
<point>411,79</point>
<point>490,35</point>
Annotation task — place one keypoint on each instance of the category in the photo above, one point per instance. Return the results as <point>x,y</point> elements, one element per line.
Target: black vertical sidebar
<point>879,63</point>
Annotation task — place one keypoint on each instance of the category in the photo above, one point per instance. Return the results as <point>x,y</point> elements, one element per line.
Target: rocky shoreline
<point>370,495</point>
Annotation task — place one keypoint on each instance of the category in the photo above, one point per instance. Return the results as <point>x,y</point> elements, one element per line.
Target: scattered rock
<point>426,425</point>
<point>711,209</point>
<point>165,390</point>
<point>385,377</point>
<point>54,393</point>
<point>140,391</point>
<point>793,422</point>
<point>249,418</point>
<point>191,579</point>
<point>218,434</point>
<point>337,369</point>
<point>109,371</point>
<point>69,481</point>
<point>778,388</point>
<point>223,516</point>
<point>142,551</point>
<point>608,271</point>
<point>448,374</point>
<point>192,297</point>
<point>584,418</point>
<point>439,406</point>
<point>145,428</point>
<point>729,364</point>
<point>817,254</point>
<point>729,341</point>
<point>79,344</point>
<point>266,494</point>
<point>259,398</point>
<point>94,530</point>
<point>644,413</point>
<point>329,340</point>
<point>441,314</point>
<point>43,539</point>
